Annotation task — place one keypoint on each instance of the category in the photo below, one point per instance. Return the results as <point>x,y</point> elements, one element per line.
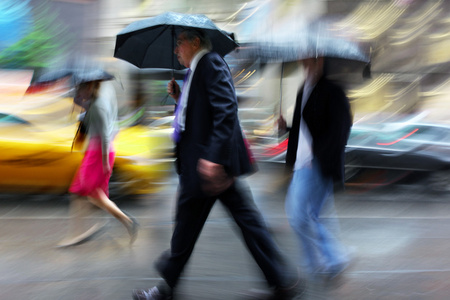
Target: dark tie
<point>179,110</point>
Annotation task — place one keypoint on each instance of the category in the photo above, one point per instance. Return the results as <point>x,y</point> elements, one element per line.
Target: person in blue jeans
<point>316,149</point>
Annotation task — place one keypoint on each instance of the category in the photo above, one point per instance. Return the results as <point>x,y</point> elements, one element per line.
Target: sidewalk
<point>401,248</point>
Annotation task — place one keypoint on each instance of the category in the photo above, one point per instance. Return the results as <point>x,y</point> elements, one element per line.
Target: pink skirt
<point>89,175</point>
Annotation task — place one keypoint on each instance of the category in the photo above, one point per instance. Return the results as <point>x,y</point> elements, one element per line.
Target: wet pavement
<point>400,239</point>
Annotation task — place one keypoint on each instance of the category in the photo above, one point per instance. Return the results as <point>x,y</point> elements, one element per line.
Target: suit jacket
<point>328,117</point>
<point>212,128</point>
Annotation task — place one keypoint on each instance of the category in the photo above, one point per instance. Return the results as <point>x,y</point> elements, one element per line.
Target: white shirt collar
<point>197,58</point>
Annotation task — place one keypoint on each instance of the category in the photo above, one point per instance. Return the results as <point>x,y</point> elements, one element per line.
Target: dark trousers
<point>190,217</point>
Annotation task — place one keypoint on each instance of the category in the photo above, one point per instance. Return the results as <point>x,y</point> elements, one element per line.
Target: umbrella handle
<point>173,49</point>
<point>120,81</point>
<point>281,86</point>
<point>281,96</point>
<point>164,99</point>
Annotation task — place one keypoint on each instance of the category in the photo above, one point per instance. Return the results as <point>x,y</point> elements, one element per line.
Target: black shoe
<point>150,294</point>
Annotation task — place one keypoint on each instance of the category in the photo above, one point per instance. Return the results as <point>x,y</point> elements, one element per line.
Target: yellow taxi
<point>37,155</point>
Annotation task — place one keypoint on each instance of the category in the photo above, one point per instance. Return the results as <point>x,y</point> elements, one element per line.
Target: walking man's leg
<point>239,201</point>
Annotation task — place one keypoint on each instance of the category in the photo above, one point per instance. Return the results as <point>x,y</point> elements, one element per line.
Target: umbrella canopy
<point>345,60</point>
<point>319,39</point>
<point>78,75</point>
<point>92,75</point>
<point>150,43</point>
<point>308,45</point>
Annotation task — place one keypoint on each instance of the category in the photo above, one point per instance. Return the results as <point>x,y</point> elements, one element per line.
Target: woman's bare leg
<point>99,199</point>
<point>78,229</point>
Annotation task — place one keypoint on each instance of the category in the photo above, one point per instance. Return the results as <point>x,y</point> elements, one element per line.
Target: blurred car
<point>37,157</point>
<point>397,151</point>
<point>380,154</point>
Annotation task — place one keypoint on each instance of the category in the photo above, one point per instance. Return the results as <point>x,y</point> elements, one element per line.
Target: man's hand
<point>215,179</point>
<point>281,125</point>
<point>173,89</point>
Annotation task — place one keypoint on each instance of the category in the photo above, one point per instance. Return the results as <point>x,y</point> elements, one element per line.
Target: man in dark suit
<point>211,154</point>
<point>316,149</point>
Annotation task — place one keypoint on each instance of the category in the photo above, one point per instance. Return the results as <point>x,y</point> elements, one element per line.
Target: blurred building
<point>409,39</point>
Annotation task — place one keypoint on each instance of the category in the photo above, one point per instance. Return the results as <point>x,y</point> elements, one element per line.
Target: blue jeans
<point>309,194</point>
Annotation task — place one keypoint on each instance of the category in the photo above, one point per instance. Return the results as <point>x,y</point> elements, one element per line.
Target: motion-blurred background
<point>400,111</point>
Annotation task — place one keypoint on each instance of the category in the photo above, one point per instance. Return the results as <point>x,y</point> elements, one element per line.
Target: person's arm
<point>282,126</point>
<point>336,124</point>
<point>222,99</point>
<point>105,141</point>
<point>223,104</point>
<point>98,121</point>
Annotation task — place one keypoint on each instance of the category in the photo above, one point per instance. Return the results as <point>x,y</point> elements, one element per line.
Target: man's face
<point>186,49</point>
<point>309,64</point>
<point>313,66</point>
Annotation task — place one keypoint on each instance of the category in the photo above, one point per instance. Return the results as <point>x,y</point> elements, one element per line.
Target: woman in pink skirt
<point>92,178</point>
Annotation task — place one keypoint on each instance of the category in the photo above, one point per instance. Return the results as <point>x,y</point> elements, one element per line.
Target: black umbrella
<point>150,43</point>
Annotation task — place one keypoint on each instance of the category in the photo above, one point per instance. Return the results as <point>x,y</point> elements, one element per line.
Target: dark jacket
<point>328,117</point>
<point>212,129</point>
